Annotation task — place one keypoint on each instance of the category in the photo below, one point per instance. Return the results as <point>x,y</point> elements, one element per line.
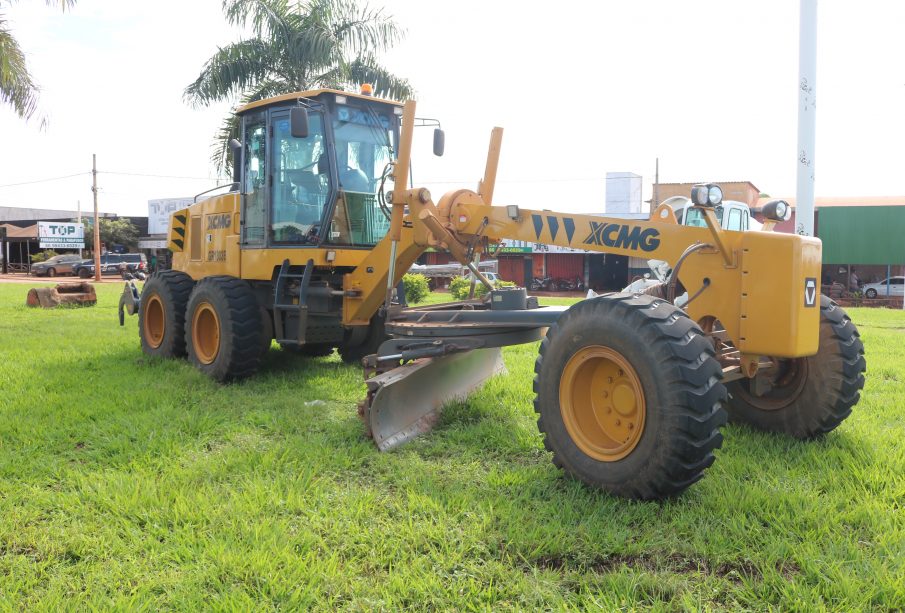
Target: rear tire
<point>819,391</point>
<point>51,272</point>
<point>629,396</point>
<point>223,328</point>
<point>161,314</point>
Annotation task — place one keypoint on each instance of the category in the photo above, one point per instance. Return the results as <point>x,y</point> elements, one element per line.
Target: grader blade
<point>406,401</point>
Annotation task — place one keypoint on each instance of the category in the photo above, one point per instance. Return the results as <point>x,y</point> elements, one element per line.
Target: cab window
<point>300,181</point>
<point>364,149</point>
<point>255,198</point>
<point>735,220</point>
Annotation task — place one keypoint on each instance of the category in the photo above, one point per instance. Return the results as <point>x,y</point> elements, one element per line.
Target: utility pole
<point>655,202</point>
<point>807,116</point>
<point>97,226</point>
<point>78,210</point>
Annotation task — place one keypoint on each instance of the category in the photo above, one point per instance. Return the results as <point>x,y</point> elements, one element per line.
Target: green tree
<point>18,88</point>
<point>296,46</point>
<point>119,231</point>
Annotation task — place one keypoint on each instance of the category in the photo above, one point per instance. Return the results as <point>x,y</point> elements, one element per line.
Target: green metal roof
<point>862,234</point>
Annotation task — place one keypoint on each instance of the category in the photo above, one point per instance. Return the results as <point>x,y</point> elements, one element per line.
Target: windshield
<point>300,181</point>
<point>695,216</point>
<point>364,149</point>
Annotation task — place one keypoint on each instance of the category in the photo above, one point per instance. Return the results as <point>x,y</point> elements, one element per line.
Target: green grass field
<point>138,484</point>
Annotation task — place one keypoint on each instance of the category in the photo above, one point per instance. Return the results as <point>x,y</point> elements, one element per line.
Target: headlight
<point>706,195</point>
<point>777,210</point>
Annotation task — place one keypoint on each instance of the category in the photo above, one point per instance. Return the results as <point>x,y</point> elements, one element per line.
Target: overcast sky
<point>581,88</point>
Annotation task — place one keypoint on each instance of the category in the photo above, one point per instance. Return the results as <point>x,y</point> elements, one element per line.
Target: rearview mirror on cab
<point>298,122</point>
<point>439,142</point>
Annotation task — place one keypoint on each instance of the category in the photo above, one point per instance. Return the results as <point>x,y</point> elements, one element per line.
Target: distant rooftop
<point>15,213</point>
<point>845,201</point>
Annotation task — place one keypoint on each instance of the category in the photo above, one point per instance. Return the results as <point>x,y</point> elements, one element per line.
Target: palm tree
<point>296,46</point>
<point>17,87</point>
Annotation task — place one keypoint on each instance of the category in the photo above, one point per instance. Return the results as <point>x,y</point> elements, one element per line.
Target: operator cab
<point>319,184</point>
<point>731,214</point>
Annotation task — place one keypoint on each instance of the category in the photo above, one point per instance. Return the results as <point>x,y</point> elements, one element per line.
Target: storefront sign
<point>59,235</point>
<point>159,212</point>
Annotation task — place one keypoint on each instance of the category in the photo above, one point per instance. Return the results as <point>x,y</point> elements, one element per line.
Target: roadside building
<point>862,236</point>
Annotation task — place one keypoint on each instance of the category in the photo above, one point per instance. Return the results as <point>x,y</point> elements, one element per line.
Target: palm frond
<point>267,18</point>
<point>231,71</point>
<point>221,154</point>
<point>361,29</point>
<point>63,4</point>
<point>17,88</point>
<point>365,69</point>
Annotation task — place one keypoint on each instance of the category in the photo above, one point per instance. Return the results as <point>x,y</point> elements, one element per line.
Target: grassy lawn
<point>132,483</point>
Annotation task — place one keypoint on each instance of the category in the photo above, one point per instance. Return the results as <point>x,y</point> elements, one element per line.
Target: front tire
<point>871,293</point>
<point>51,272</point>
<point>84,273</point>
<point>809,396</point>
<point>376,334</point>
<point>161,314</point>
<point>224,328</point>
<point>629,396</point>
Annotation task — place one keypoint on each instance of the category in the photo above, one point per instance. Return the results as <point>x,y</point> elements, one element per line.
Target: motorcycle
<point>543,284</point>
<point>570,285</point>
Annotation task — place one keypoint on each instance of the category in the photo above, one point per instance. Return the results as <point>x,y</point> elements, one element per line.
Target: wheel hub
<point>155,321</point>
<point>602,403</point>
<point>205,333</point>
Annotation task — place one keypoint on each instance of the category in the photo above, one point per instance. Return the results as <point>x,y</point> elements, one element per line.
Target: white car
<point>874,290</point>
<point>491,276</point>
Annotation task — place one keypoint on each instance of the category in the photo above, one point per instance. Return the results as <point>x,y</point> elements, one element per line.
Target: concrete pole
<point>78,205</point>
<point>807,116</point>
<point>97,226</point>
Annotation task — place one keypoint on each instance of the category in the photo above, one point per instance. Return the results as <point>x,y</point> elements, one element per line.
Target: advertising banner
<point>61,235</point>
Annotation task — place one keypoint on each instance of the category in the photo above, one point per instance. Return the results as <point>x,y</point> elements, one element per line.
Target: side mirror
<point>236,148</point>
<point>439,141</point>
<point>298,122</point>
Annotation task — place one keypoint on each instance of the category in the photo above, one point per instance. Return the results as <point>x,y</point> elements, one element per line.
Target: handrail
<point>232,186</point>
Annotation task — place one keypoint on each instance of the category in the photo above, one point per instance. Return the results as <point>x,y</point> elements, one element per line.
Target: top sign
<point>159,212</point>
<point>59,235</point>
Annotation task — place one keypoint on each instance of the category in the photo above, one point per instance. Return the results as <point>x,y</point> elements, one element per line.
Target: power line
<point>78,174</point>
<point>144,174</point>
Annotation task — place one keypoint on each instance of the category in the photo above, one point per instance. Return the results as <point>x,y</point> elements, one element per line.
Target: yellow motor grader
<point>310,241</point>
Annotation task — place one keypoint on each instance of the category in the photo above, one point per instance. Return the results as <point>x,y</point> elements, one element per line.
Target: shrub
<point>42,256</point>
<point>416,287</point>
<point>460,285</point>
<point>458,288</point>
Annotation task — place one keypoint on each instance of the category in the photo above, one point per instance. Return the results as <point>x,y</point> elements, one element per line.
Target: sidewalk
<point>24,278</point>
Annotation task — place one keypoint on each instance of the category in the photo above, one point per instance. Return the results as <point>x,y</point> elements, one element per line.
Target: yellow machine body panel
<point>764,289</point>
<point>761,286</point>
<point>204,239</point>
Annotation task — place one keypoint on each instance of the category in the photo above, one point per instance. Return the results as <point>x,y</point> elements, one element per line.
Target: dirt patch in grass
<point>662,562</point>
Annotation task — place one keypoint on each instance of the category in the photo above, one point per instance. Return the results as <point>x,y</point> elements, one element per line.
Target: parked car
<point>56,265</point>
<point>896,288</point>
<point>110,264</point>
<point>490,276</point>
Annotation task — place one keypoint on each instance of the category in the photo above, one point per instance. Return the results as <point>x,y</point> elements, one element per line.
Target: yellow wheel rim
<point>602,403</point>
<point>205,333</point>
<point>155,321</point>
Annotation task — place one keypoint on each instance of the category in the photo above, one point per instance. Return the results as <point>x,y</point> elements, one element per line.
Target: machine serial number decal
<point>216,255</point>
<point>219,222</point>
<point>623,236</point>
